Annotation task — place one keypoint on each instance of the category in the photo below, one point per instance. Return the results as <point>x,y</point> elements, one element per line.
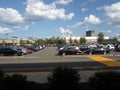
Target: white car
<point>111,47</point>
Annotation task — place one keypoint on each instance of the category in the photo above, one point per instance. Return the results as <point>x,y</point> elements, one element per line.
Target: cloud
<point>36,10</point>
<point>64,2</point>
<point>87,2</point>
<point>65,31</point>
<point>5,30</point>
<point>10,16</point>
<point>111,33</point>
<point>80,24</point>
<point>113,13</point>
<point>84,9</point>
<point>93,20</point>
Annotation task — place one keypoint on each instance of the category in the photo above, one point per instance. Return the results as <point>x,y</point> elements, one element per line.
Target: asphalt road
<point>42,63</point>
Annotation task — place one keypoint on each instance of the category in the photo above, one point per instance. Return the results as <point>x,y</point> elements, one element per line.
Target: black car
<point>83,47</point>
<point>96,50</point>
<point>117,48</point>
<point>70,50</point>
<point>10,51</point>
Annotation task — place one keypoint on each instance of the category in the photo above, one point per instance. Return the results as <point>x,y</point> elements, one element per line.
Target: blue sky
<point>48,18</point>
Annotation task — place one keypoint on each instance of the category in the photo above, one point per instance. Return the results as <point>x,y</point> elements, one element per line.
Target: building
<point>12,41</point>
<point>90,33</point>
<point>90,37</point>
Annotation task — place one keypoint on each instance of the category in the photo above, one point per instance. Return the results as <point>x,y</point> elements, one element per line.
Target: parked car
<point>83,47</point>
<point>62,47</point>
<point>29,51</point>
<point>70,50</point>
<point>117,48</point>
<point>111,47</point>
<point>96,50</point>
<point>24,50</point>
<point>7,51</point>
<point>30,48</point>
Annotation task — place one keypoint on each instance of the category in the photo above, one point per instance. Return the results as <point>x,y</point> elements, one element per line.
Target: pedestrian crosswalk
<point>103,60</point>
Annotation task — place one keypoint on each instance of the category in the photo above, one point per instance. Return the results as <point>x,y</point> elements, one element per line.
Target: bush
<point>2,75</point>
<point>64,78</point>
<point>106,80</point>
<point>17,82</point>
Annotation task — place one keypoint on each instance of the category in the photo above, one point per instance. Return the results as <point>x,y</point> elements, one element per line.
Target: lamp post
<point>6,37</point>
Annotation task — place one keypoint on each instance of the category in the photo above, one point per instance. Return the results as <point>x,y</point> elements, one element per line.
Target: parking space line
<point>106,61</point>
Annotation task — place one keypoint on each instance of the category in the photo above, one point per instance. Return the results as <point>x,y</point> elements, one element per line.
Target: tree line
<point>54,40</point>
<point>58,40</point>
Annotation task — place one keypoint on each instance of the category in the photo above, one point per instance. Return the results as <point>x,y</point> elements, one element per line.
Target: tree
<point>100,37</point>
<point>76,41</point>
<point>61,41</point>
<point>82,40</point>
<point>40,41</point>
<point>22,42</point>
<point>106,80</point>
<point>64,78</point>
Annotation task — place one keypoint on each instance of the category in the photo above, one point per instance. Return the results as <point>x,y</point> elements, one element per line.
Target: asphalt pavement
<point>39,65</point>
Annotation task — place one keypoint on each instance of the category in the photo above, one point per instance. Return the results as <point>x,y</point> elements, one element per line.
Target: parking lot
<point>38,65</point>
<point>49,55</point>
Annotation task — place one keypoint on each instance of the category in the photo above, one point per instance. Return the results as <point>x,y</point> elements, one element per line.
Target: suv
<point>10,51</point>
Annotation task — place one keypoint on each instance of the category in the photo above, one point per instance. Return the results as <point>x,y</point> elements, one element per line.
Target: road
<point>42,63</point>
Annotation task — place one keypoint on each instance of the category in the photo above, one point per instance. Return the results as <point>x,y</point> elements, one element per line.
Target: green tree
<point>61,41</point>
<point>82,40</point>
<point>106,80</point>
<point>75,41</point>
<point>28,42</point>
<point>22,42</point>
<point>40,41</point>
<point>64,78</point>
<point>100,37</point>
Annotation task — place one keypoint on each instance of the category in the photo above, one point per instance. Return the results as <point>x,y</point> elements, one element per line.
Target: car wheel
<point>78,53</point>
<point>63,54</point>
<point>90,53</point>
<point>104,53</point>
<point>1,54</point>
<point>15,54</point>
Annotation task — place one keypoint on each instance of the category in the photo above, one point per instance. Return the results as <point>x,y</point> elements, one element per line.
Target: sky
<point>58,18</point>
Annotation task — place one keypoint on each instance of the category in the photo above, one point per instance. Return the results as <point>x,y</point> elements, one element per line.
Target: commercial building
<point>12,41</point>
<point>90,37</point>
<point>90,33</point>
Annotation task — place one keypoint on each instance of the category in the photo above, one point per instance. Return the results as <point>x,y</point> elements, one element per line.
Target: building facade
<point>12,41</point>
<point>90,33</point>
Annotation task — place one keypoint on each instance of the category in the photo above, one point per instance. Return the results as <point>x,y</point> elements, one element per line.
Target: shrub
<point>2,75</point>
<point>64,78</point>
<point>15,82</point>
<point>106,80</point>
